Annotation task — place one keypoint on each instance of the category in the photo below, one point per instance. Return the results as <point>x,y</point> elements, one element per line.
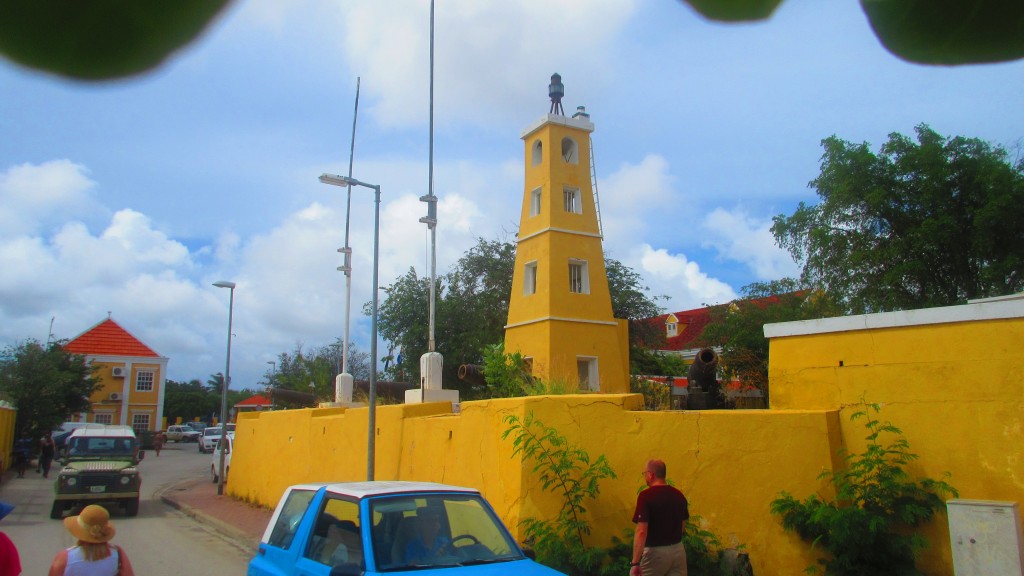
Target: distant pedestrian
<point>46,451</point>
<point>10,562</point>
<point>93,555</point>
<point>660,516</point>
<point>158,442</point>
<point>22,454</point>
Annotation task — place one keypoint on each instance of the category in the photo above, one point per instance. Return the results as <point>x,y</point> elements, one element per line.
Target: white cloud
<point>33,197</point>
<point>742,238</point>
<point>680,278</point>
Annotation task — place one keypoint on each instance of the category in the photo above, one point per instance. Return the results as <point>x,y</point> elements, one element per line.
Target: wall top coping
<point>579,123</point>
<point>988,309</point>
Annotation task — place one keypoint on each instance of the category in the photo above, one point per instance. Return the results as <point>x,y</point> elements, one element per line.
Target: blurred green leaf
<point>100,39</point>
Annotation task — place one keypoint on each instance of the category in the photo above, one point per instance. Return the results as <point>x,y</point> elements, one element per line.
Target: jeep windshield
<point>91,447</point>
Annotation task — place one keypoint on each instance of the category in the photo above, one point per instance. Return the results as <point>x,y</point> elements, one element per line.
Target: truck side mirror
<point>141,456</point>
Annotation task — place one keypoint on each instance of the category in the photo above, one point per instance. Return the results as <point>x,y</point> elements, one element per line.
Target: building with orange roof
<point>131,375</point>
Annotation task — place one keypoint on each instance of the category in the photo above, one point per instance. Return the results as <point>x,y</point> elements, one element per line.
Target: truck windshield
<point>85,446</point>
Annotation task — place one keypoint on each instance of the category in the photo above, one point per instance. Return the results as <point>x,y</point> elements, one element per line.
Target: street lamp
<point>224,388</point>
<point>338,180</point>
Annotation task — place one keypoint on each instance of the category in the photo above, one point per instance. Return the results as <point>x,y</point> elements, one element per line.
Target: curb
<point>236,536</point>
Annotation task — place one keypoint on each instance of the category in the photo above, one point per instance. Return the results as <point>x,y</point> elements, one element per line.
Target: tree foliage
<point>920,224</point>
<point>312,370</point>
<point>737,328</point>
<point>119,38</point>
<point>868,529</point>
<point>47,384</point>
<point>472,302</point>
<point>567,471</point>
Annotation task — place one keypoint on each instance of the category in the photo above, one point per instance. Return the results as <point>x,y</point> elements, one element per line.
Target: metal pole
<point>372,429</point>
<point>348,249</point>
<point>430,192</point>
<point>224,397</point>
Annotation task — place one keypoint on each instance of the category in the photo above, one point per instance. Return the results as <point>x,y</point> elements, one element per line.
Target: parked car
<point>211,435</point>
<point>181,433</point>
<point>226,445</point>
<point>198,426</point>
<point>379,528</point>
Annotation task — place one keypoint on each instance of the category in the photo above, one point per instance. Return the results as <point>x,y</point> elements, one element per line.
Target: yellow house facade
<point>131,375</point>
<point>560,315</point>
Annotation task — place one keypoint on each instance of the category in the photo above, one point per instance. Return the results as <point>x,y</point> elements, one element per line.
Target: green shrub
<point>868,529</point>
<point>568,471</point>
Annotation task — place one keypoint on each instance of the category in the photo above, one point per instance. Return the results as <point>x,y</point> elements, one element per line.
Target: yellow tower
<point>560,311</point>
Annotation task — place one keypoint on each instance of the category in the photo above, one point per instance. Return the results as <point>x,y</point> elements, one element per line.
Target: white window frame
<point>103,418</point>
<point>538,152</point>
<point>671,329</point>
<point>139,380</point>
<point>141,421</point>
<point>535,200</point>
<point>570,151</point>
<point>579,277</point>
<point>530,278</point>
<point>592,380</point>
<point>572,200</point>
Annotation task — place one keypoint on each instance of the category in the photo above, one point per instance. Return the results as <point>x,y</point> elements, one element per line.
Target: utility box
<point>986,538</point>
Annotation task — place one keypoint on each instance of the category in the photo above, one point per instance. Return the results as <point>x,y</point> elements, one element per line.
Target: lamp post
<point>337,180</point>
<point>224,388</point>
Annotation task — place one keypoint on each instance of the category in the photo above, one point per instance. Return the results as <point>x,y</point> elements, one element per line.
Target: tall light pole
<point>337,180</point>
<point>224,388</point>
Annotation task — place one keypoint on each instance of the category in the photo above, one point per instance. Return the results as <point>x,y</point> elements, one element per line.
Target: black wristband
<point>631,564</point>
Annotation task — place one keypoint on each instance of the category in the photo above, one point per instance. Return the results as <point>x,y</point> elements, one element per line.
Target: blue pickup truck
<point>369,528</point>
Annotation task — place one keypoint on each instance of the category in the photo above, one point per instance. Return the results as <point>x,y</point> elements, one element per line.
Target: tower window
<point>530,279</point>
<point>586,370</point>
<point>538,152</point>
<point>569,151</point>
<point>671,327</point>
<point>573,204</point>
<point>535,202</point>
<point>579,281</point>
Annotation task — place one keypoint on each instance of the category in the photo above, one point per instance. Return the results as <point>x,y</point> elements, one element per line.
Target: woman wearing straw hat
<point>93,555</point>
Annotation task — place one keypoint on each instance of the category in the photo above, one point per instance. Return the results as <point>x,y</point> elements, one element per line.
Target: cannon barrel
<point>472,374</point>
<point>293,397</point>
<point>703,376</point>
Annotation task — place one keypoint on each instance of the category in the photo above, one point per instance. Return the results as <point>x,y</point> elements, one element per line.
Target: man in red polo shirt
<point>660,518</point>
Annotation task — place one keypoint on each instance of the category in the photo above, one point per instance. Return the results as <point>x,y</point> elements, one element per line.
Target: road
<point>160,541</point>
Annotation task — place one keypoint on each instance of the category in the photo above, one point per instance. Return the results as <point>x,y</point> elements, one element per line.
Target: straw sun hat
<point>92,525</point>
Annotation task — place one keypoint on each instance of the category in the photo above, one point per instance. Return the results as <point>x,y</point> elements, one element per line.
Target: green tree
<point>313,370</point>
<point>737,328</point>
<point>46,384</point>
<point>920,224</point>
<point>189,400</point>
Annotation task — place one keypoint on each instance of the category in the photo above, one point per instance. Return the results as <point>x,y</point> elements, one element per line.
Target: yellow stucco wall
<point>955,389</point>
<point>144,402</point>
<point>729,463</point>
<point>8,416</point>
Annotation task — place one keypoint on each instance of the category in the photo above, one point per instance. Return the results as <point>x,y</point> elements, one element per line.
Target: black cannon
<point>704,392</point>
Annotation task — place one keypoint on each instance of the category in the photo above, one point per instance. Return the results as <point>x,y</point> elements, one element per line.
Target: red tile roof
<point>108,338</point>
<point>257,400</point>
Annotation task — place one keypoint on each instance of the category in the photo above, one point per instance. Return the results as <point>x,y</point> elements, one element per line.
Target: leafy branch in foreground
<point>568,471</point>
<point>869,528</point>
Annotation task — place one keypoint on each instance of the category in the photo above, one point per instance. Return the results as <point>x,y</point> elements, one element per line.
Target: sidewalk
<point>198,499</point>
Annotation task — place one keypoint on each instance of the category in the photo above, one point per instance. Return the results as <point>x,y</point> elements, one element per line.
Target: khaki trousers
<point>664,561</point>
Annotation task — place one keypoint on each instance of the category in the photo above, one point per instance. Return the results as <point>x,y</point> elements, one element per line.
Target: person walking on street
<point>10,562</point>
<point>22,453</point>
<point>660,517</point>
<point>158,442</point>
<point>93,555</point>
<point>46,452</point>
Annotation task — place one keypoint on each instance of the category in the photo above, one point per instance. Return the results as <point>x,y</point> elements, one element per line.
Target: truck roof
<point>376,488</point>
<point>104,431</point>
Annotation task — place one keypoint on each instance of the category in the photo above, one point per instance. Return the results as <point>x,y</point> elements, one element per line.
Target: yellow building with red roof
<point>131,374</point>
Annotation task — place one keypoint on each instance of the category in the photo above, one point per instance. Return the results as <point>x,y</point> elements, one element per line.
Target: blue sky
<point>134,196</point>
